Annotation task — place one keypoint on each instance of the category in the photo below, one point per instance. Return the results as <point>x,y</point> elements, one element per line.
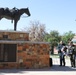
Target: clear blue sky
<point>57,15</point>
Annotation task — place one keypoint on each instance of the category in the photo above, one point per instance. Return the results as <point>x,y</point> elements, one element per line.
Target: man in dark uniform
<point>60,46</point>
<point>71,52</point>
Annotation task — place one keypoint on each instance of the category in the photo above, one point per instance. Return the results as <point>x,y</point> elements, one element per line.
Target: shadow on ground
<point>62,68</point>
<point>53,68</point>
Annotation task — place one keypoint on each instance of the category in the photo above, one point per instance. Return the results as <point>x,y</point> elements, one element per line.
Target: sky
<point>57,15</point>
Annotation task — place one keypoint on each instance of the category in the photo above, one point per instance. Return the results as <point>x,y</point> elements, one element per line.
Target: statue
<point>13,14</point>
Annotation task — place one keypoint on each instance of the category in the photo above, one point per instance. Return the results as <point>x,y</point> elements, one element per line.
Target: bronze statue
<point>13,14</point>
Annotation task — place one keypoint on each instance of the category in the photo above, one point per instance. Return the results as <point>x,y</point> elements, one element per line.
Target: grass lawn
<point>57,56</point>
<point>54,55</point>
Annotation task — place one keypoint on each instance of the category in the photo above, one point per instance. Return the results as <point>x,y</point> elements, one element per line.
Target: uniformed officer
<point>61,54</point>
<point>71,52</point>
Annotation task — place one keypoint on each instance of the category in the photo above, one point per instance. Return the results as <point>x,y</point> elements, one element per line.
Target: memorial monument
<point>16,50</point>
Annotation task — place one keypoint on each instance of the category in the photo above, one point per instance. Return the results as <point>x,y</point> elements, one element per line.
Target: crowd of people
<point>66,50</point>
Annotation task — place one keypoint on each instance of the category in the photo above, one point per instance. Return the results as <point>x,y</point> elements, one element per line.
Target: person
<point>71,53</point>
<point>61,53</point>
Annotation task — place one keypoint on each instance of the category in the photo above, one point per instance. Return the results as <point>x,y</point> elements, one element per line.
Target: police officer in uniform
<point>71,52</point>
<point>60,46</point>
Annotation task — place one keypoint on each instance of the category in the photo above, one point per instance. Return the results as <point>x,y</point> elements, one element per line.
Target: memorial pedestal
<point>16,51</point>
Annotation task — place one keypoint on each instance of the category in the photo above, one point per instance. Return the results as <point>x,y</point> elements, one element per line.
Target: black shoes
<point>62,65</point>
<point>73,66</point>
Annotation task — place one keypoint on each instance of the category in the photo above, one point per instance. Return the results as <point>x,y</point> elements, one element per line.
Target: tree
<point>67,36</point>
<point>36,31</point>
<point>53,38</point>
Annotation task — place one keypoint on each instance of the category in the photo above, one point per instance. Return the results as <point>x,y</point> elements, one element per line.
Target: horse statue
<point>13,14</point>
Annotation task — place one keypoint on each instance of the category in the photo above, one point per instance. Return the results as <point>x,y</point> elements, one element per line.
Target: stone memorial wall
<point>19,52</point>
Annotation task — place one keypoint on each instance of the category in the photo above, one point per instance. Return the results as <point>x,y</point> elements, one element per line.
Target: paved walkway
<point>54,70</point>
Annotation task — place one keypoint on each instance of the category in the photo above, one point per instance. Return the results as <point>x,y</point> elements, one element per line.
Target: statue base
<point>16,51</point>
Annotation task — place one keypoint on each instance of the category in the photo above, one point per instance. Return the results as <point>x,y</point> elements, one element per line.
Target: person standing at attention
<point>71,53</point>
<point>60,45</point>
<point>63,54</point>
